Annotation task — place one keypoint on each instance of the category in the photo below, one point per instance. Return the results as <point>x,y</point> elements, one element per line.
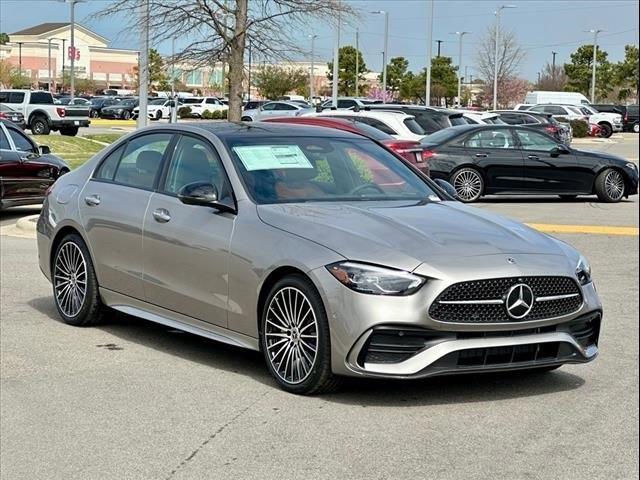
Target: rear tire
<point>39,125</point>
<point>94,114</point>
<point>294,337</point>
<point>469,184</point>
<point>126,115</point>
<point>610,186</point>
<point>75,286</point>
<point>158,115</point>
<point>636,128</point>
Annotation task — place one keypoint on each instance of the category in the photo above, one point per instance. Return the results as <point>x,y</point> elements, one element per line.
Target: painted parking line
<point>102,122</point>
<point>593,229</point>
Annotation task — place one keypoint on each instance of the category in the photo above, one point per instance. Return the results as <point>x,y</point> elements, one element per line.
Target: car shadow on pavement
<point>466,388</point>
<point>543,199</point>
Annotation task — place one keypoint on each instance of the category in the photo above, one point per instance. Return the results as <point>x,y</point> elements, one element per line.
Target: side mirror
<point>447,187</point>
<point>44,150</point>
<point>559,150</point>
<point>202,194</point>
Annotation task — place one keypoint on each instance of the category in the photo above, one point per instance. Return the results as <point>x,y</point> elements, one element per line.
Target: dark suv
<point>630,119</point>
<point>430,119</point>
<point>540,121</point>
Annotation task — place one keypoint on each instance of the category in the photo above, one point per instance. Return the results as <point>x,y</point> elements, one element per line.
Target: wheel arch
<point>39,113</point>
<point>274,277</point>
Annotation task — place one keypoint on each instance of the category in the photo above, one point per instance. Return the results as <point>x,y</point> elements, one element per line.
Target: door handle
<point>161,215</point>
<point>92,200</point>
<point>533,157</point>
<point>481,155</point>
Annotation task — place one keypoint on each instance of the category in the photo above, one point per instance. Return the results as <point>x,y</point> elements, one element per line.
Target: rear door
<point>546,170</point>
<point>495,152</point>
<point>113,205</point>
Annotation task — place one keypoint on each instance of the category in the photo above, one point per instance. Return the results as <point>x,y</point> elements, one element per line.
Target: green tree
<point>579,72</point>
<point>11,77</point>
<point>396,71</point>
<point>347,71</point>
<point>444,80</point>
<point>626,73</point>
<point>273,82</point>
<point>412,87</point>
<point>156,70</point>
<point>4,38</point>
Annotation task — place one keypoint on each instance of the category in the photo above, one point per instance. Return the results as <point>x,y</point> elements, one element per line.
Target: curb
<point>27,225</point>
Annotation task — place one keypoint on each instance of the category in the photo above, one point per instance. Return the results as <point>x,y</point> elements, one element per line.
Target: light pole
<point>460,35</point>
<point>311,71</point>
<point>336,61</point>
<point>427,87</point>
<point>357,59</point>
<point>553,68</point>
<point>385,53</point>
<point>594,62</point>
<point>143,69</point>
<point>249,73</point>
<point>495,62</point>
<point>72,5</point>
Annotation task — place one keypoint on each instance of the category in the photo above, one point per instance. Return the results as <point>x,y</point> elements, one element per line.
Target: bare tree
<point>551,79</point>
<point>218,30</point>
<point>510,57</point>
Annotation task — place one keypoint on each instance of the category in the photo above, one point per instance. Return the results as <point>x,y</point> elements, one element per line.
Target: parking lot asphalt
<point>134,400</point>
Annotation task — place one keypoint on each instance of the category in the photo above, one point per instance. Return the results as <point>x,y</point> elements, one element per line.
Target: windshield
<point>126,103</point>
<point>317,169</point>
<point>575,110</point>
<point>158,101</point>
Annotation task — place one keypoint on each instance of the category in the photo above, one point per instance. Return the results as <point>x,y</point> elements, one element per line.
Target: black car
<point>630,119</point>
<point>540,121</point>
<point>516,160</point>
<point>8,113</point>
<point>430,119</point>
<point>26,169</point>
<point>98,103</point>
<point>121,110</point>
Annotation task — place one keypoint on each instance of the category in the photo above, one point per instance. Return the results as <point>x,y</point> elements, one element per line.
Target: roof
<point>42,28</point>
<point>363,113</point>
<point>260,129</point>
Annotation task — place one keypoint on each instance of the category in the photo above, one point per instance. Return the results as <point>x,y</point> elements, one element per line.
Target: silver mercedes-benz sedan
<point>320,248</point>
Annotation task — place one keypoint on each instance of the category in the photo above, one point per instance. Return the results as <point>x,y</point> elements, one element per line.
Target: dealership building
<point>31,48</point>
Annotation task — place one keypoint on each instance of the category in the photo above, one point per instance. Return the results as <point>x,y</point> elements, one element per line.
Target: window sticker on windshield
<point>272,157</point>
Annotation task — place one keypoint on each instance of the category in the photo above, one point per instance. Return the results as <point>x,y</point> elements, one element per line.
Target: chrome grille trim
<point>556,297</point>
<point>498,301</point>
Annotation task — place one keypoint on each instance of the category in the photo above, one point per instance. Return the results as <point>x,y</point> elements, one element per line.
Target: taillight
<point>3,115</point>
<point>61,111</point>
<point>427,155</point>
<point>626,116</point>
<point>552,129</point>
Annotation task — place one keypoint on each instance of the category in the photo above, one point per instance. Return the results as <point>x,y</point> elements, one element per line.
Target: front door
<point>496,153</point>
<point>186,247</point>
<point>112,208</point>
<point>548,169</point>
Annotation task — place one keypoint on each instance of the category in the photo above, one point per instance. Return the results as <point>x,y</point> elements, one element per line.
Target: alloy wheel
<point>614,185</point>
<point>291,335</point>
<point>70,279</point>
<point>468,184</point>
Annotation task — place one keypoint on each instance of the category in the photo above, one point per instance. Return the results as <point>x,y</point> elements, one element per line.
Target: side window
<point>535,141</point>
<point>212,101</point>
<point>528,120</point>
<point>285,106</point>
<point>346,103</point>
<point>142,159</point>
<point>21,142</point>
<point>16,97</point>
<point>268,107</point>
<point>195,161</point>
<point>4,97</point>
<point>555,110</point>
<point>107,169</point>
<point>4,143</point>
<point>383,127</point>
<point>538,108</point>
<point>41,98</point>
<point>490,139</point>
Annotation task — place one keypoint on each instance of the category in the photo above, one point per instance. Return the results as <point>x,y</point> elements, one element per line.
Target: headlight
<point>376,280</point>
<point>583,271</point>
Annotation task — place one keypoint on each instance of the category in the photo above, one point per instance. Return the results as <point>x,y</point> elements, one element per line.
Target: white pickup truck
<point>42,115</point>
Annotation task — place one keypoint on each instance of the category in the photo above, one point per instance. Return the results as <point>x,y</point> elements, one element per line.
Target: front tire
<point>294,337</point>
<point>469,184</point>
<point>605,130</point>
<point>40,126</point>
<point>126,115</point>
<point>75,286</point>
<point>610,186</point>
<point>636,128</point>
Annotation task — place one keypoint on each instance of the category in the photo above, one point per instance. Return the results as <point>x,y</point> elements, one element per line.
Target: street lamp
<point>72,5</point>
<point>460,35</point>
<point>495,65</point>
<point>595,61</point>
<point>385,53</point>
<point>427,87</point>
<point>311,71</point>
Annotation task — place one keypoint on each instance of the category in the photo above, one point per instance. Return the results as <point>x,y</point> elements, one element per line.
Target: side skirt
<point>153,313</point>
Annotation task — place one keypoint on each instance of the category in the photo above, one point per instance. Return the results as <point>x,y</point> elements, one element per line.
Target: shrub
<point>224,114</point>
<point>580,128</point>
<point>208,115</point>
<point>184,112</point>
<point>216,115</point>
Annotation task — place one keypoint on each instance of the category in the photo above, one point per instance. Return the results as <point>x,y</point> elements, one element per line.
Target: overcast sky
<point>542,26</point>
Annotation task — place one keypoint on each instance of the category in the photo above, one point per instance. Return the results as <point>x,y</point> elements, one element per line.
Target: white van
<point>562,98</point>
<point>292,98</point>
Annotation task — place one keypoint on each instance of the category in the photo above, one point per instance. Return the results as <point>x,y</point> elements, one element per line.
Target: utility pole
<point>174,95</point>
<point>427,87</point>
<point>336,60</point>
<point>20,57</point>
<point>538,79</point>
<point>49,66</point>
<point>312,70</point>
<point>594,62</point>
<point>249,73</point>
<point>357,60</point>
<point>553,67</point>
<point>384,53</point>
<point>495,63</point>
<point>143,69</point>
<point>460,35</point>
<point>439,43</point>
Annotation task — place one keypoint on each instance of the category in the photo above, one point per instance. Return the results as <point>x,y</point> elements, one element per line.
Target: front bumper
<point>394,337</point>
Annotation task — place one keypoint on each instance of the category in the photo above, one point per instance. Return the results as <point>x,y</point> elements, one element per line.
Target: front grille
<point>483,301</point>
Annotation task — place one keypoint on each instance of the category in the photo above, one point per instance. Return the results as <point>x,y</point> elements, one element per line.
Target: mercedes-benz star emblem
<point>511,260</point>
<point>519,301</point>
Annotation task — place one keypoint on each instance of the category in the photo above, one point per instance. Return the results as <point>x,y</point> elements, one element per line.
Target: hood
<point>602,155</point>
<point>405,235</point>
